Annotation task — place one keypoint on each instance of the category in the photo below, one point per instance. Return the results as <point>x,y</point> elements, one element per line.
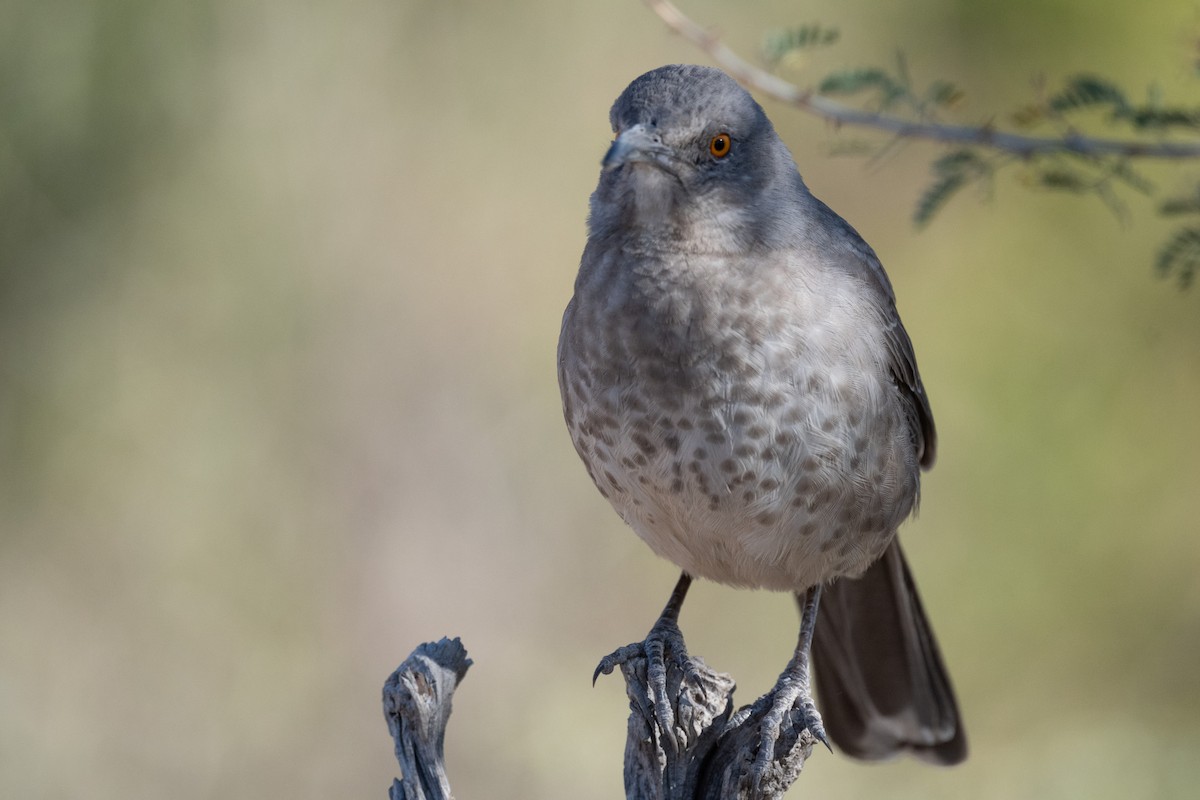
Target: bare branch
<point>984,136</point>
<point>416,704</point>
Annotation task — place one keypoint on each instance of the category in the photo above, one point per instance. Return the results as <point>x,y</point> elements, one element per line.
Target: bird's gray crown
<point>687,97</point>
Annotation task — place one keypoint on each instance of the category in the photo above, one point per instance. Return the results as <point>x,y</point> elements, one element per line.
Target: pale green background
<point>280,285</point>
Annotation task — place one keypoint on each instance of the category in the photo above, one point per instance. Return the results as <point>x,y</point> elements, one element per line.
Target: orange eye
<point>720,144</point>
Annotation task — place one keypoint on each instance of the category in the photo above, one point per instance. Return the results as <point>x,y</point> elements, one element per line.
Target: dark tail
<point>880,678</point>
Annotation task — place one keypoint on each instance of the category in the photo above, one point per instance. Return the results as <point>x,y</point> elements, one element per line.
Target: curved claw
<point>602,667</point>
<point>618,657</point>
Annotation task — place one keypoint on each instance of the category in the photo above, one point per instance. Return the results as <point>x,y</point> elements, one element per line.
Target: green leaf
<point>779,43</point>
<point>1122,170</point>
<point>951,172</point>
<point>1186,204</point>
<point>1088,90</point>
<point>1180,255</point>
<point>1064,179</point>
<point>852,81</point>
<point>944,94</point>
<point>1145,117</point>
<point>936,196</point>
<point>959,161</point>
<point>1028,116</point>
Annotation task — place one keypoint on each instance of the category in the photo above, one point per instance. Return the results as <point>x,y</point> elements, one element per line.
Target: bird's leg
<point>664,639</point>
<point>792,693</point>
<point>665,632</point>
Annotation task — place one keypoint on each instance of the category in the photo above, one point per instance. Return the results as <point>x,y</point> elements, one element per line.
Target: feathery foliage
<point>944,94</point>
<point>778,45</point>
<point>1071,170</point>
<point>853,81</point>
<point>1069,160</point>
<point>1185,204</point>
<point>951,172</point>
<point>1180,256</point>
<point>1088,91</point>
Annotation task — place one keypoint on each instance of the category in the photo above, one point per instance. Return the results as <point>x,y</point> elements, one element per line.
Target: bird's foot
<point>789,711</point>
<point>664,639</point>
<point>667,664</point>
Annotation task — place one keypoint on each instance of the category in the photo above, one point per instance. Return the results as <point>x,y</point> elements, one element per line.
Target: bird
<point>738,384</point>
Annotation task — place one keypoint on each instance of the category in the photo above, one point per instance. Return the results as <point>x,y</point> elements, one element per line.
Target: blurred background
<point>280,286</point>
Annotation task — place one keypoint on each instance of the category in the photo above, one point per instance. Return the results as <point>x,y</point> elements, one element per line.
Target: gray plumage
<point>738,383</point>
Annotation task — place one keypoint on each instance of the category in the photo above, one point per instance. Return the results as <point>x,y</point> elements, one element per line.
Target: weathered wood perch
<point>716,744</point>
<point>416,705</point>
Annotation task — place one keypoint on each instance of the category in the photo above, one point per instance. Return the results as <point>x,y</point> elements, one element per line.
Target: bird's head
<point>694,159</point>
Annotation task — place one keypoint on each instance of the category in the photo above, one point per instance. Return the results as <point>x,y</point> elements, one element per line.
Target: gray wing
<point>903,363</point>
<point>862,261</point>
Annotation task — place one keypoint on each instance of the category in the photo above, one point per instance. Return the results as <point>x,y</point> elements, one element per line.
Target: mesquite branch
<point>983,136</point>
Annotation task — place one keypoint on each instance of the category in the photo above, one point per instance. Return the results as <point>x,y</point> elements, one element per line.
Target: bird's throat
<point>651,196</point>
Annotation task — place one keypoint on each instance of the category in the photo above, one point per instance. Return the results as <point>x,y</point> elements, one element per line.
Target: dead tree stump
<point>706,757</point>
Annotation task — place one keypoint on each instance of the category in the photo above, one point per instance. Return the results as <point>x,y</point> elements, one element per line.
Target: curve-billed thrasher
<point>736,378</point>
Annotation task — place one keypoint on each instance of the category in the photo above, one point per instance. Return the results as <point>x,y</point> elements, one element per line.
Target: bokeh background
<point>280,286</point>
